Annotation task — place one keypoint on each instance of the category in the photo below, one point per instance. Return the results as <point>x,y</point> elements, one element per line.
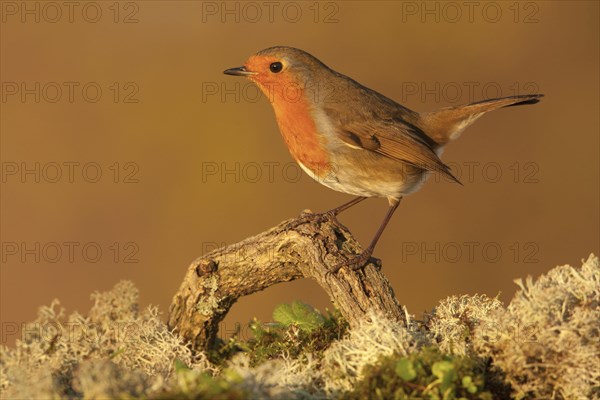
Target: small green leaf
<point>467,383</point>
<point>299,314</point>
<point>441,368</point>
<point>445,372</point>
<point>406,370</point>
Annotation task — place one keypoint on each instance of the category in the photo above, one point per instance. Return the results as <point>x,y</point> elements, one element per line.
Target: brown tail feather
<point>448,123</point>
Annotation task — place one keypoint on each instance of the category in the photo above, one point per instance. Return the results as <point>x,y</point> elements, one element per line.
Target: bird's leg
<point>334,212</point>
<point>325,215</point>
<point>362,259</point>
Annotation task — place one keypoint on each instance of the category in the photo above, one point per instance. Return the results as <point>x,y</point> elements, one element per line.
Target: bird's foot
<point>311,217</point>
<point>356,262</point>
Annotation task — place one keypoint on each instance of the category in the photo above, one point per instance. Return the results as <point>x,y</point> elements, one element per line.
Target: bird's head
<point>282,73</point>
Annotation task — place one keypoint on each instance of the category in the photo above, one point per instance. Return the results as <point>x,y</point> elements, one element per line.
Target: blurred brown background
<point>190,159</point>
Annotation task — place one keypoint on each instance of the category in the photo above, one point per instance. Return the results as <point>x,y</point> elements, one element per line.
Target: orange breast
<point>300,134</point>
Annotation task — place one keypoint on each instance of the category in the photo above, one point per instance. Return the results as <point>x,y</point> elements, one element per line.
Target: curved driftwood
<point>308,247</point>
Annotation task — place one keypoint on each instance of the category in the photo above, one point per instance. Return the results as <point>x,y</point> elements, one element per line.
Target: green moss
<point>297,328</point>
<point>429,374</point>
<point>193,384</point>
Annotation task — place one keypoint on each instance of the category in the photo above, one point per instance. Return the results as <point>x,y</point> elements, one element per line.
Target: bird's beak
<point>239,71</point>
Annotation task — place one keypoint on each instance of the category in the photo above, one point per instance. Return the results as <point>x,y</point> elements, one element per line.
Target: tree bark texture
<point>307,247</point>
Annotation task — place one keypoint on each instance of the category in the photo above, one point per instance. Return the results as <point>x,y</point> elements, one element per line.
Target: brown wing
<point>396,139</point>
<point>373,122</point>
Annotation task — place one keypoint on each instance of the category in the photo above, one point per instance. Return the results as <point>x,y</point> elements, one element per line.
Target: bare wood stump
<point>304,247</point>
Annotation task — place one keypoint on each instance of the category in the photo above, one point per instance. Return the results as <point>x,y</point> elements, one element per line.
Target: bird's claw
<point>355,263</point>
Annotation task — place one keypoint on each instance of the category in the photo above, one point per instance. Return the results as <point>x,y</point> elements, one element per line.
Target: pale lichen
<point>547,341</point>
<point>453,321</point>
<point>374,337</point>
<point>53,347</point>
<point>283,378</point>
<point>210,303</point>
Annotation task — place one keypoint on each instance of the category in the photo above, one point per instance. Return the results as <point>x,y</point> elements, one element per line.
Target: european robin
<point>351,138</point>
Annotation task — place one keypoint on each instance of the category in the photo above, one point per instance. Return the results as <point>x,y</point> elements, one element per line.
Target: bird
<point>353,139</point>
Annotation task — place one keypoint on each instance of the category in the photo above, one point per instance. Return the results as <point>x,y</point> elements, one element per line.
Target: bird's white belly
<point>363,185</point>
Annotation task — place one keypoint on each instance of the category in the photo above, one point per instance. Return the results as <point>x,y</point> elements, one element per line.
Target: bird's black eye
<point>276,67</point>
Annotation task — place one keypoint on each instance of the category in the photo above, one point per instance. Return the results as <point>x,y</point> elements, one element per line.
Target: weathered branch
<point>305,247</point>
